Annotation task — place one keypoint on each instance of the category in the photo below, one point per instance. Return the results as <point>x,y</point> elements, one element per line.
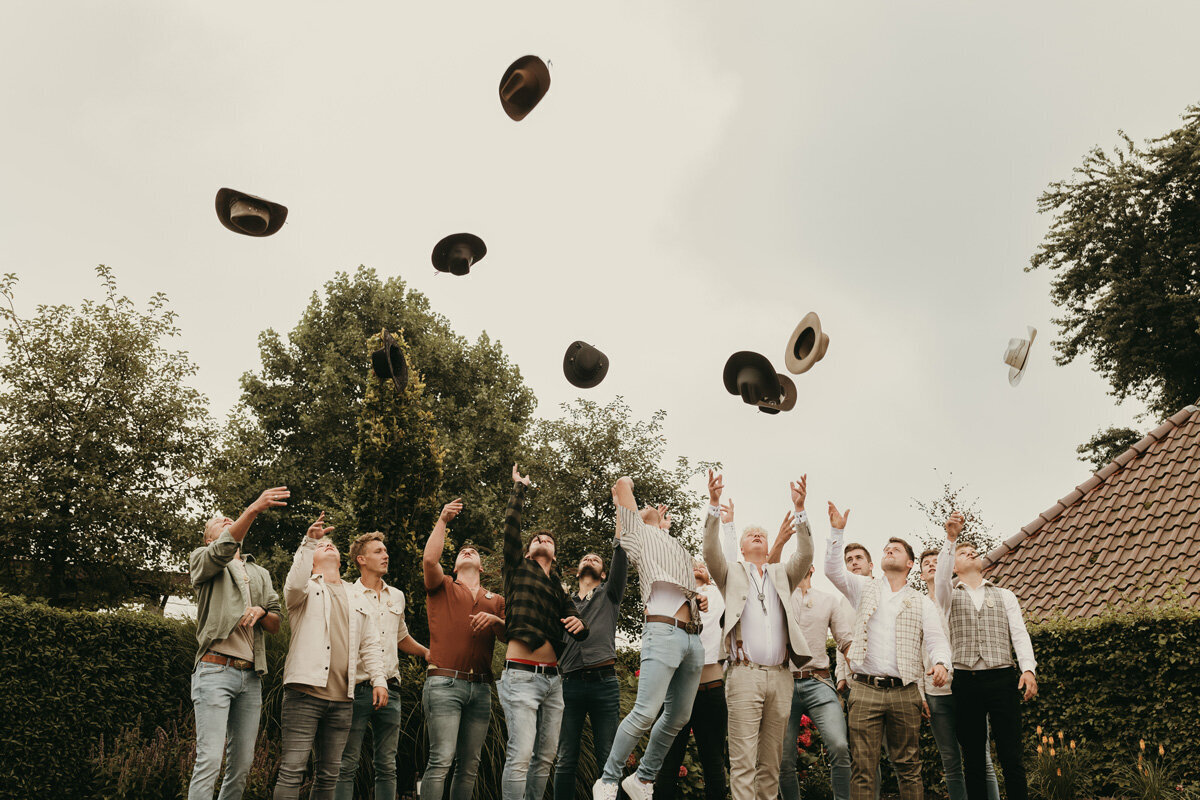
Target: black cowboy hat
<point>751,375</point>
<point>388,362</point>
<point>787,397</point>
<point>249,215</point>
<point>584,365</point>
<point>441,253</point>
<point>523,86</point>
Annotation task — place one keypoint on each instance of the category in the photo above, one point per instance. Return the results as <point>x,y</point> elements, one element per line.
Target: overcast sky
<point>699,177</point>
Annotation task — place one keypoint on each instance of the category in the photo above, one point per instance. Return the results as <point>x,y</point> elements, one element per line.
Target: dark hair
<point>908,547</point>
<point>856,546</point>
<point>536,534</point>
<point>933,551</point>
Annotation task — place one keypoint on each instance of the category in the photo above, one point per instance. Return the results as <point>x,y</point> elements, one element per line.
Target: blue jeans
<point>319,727</point>
<point>385,727</point>
<point>941,721</point>
<point>227,703</point>
<point>672,660</point>
<point>457,714</point>
<point>820,701</point>
<point>599,699</point>
<point>533,707</point>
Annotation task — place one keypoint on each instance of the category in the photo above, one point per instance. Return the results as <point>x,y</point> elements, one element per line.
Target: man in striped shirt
<point>672,654</point>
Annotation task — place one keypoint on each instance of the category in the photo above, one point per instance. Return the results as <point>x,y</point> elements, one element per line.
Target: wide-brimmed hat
<point>806,346</point>
<point>787,398</point>
<point>584,365</point>
<point>388,362</point>
<point>1016,355</point>
<point>458,266</point>
<point>249,215</point>
<point>523,86</point>
<point>751,375</point>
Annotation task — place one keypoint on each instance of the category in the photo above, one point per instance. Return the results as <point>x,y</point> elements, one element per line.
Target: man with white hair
<point>760,632</point>
<point>235,604</point>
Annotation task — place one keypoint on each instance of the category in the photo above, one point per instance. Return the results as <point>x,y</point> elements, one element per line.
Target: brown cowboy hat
<point>523,86</point>
<point>249,215</point>
<point>751,375</point>
<point>458,266</point>
<point>584,365</point>
<point>388,362</point>
<point>806,346</point>
<point>787,399</point>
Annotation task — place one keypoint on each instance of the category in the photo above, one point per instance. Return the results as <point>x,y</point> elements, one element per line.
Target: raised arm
<point>714,553</point>
<point>618,572</point>
<point>431,557</point>
<point>729,540</point>
<point>513,552</point>
<point>943,582</point>
<point>295,586</point>
<point>271,498</point>
<point>846,582</point>
<point>797,522</point>
<point>629,524</point>
<point>207,562</point>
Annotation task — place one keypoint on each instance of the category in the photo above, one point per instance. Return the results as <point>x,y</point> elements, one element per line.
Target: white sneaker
<point>637,790</point>
<point>602,790</point>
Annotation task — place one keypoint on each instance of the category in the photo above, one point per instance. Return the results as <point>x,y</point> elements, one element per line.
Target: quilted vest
<point>909,631</point>
<point>981,634</point>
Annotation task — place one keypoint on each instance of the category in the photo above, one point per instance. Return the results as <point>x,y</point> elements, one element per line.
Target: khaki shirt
<point>388,609</point>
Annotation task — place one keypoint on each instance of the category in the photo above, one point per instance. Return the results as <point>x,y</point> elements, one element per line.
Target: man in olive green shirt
<point>235,605</point>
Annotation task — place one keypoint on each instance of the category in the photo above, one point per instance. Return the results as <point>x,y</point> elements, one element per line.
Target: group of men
<point>733,652</point>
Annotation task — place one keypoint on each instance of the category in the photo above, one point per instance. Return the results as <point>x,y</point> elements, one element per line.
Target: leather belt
<point>473,677</point>
<point>880,681</point>
<point>213,657</point>
<point>717,684</point>
<point>690,627</point>
<point>591,673</point>
<point>543,669</point>
<point>810,673</point>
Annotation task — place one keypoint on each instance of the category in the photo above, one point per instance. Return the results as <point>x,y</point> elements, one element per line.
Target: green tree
<point>575,460</point>
<point>299,421</point>
<point>933,534</point>
<point>101,443</point>
<point>1125,248</point>
<point>1106,445</point>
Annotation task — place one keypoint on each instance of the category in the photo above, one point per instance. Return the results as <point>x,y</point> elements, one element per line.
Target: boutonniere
<point>908,601</point>
<point>487,595</point>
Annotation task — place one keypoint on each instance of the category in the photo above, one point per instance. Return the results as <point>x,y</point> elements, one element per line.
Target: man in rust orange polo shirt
<point>464,621</point>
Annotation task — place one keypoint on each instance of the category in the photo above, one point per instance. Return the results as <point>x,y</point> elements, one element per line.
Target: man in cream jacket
<point>332,632</point>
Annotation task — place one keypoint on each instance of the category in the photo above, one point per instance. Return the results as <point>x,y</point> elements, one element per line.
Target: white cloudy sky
<point>700,175</point>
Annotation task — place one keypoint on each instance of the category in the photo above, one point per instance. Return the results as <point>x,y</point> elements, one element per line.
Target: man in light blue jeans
<point>533,706</point>
<point>228,702</point>
<point>457,715</point>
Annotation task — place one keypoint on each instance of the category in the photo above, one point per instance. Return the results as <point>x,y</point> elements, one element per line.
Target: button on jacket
<point>308,606</point>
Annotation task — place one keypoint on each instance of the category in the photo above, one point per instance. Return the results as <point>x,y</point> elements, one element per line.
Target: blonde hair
<point>213,528</point>
<point>358,544</point>
<point>749,529</point>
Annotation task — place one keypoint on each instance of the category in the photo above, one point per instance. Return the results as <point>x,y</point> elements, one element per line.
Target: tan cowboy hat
<point>249,215</point>
<point>1016,355</point>
<point>806,346</point>
<point>523,86</point>
<point>787,398</point>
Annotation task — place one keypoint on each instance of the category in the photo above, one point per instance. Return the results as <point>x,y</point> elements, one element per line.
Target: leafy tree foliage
<point>575,460</point>
<point>1125,246</point>
<point>1106,445</point>
<point>100,445</point>
<point>937,510</point>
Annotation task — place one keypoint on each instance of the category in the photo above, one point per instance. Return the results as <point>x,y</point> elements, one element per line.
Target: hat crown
<point>1016,352</point>
<point>250,217</point>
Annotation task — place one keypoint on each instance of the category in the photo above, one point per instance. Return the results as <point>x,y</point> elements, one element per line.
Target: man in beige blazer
<point>759,635</point>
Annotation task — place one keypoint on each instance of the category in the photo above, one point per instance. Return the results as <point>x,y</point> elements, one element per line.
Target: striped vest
<point>981,634</point>
<point>909,631</point>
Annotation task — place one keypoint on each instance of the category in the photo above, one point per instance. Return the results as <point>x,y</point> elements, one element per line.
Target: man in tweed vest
<point>986,626</point>
<point>893,623</point>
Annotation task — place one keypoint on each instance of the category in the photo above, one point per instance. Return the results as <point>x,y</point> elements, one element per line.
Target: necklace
<point>761,587</point>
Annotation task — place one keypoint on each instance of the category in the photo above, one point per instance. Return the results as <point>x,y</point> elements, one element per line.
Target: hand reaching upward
<point>954,525</point>
<point>838,520</point>
<point>727,511</point>
<point>318,529</point>
<point>518,478</point>
<point>799,490</point>
<point>716,485</point>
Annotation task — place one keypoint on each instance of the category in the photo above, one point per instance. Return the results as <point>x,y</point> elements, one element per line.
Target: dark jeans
<point>710,718</point>
<point>316,726</point>
<point>599,699</point>
<point>979,694</point>
<point>385,733</point>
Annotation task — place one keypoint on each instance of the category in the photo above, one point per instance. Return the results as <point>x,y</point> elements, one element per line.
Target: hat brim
<point>388,368</point>
<point>278,213</point>
<point>787,399</point>
<point>796,364</point>
<point>441,250</point>
<point>539,69</point>
<point>1016,373</point>
<point>571,367</point>
<point>760,364</point>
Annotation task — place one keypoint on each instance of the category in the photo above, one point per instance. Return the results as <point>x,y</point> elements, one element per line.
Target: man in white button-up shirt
<point>986,627</point>
<point>893,623</point>
<point>369,553</point>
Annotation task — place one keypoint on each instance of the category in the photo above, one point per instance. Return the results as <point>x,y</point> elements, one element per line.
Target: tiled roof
<point>1129,532</point>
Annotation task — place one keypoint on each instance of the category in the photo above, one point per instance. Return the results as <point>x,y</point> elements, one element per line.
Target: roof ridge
<point>1087,487</point>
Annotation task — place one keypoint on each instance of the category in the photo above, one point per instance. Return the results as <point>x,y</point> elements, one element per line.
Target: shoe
<point>637,790</point>
<point>602,790</point>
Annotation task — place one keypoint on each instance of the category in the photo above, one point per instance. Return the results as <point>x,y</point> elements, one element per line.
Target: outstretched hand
<point>518,478</point>
<point>838,520</point>
<point>954,525</point>
<point>271,498</point>
<point>716,485</point>
<point>318,529</point>
<point>451,510</point>
<point>799,490</point>
<point>664,518</point>
<point>727,511</point>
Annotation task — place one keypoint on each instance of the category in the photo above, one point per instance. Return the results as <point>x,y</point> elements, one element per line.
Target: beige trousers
<point>759,701</point>
<point>874,712</point>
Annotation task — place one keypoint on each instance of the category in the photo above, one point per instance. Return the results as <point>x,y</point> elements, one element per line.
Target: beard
<point>588,569</point>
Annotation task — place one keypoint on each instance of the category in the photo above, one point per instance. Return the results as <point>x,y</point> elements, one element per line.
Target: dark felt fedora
<point>584,365</point>
<point>787,397</point>
<point>523,86</point>
<point>249,215</point>
<point>751,375</point>
<point>458,264</point>
<point>388,362</point>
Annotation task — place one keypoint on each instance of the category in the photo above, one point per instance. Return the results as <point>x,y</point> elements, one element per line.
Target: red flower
<point>682,771</point>
<point>631,762</point>
<point>637,673</point>
<point>805,739</point>
<point>805,722</point>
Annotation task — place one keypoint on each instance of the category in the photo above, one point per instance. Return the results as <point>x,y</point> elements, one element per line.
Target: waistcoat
<point>909,630</point>
<point>981,634</point>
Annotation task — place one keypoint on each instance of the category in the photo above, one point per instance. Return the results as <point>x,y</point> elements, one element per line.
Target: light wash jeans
<point>533,707</point>
<point>319,727</point>
<point>227,703</point>
<point>941,721</point>
<point>457,715</point>
<point>385,731</point>
<point>672,660</point>
<point>820,701</point>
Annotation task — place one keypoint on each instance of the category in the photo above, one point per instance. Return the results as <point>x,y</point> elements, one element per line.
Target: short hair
<point>213,526</point>
<point>356,547</point>
<point>907,547</point>
<point>932,551</point>
<point>749,529</point>
<point>536,534</point>
<point>960,545</point>
<point>850,548</point>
